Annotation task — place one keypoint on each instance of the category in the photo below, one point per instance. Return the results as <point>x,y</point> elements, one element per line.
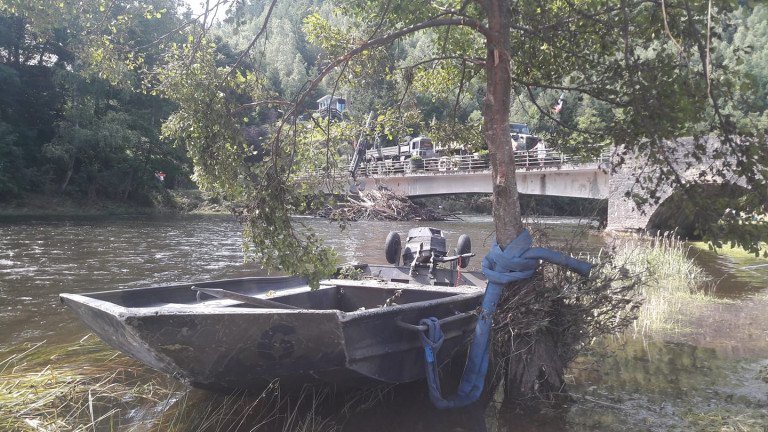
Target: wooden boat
<point>245,333</point>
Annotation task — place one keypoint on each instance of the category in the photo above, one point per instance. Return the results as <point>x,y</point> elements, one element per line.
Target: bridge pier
<point>624,216</point>
<point>623,213</point>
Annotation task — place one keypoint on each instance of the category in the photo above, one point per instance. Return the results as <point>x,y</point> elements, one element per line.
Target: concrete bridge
<point>553,174</point>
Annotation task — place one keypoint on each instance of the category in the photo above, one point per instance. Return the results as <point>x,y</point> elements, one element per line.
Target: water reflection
<point>738,277</point>
<point>658,384</point>
<point>40,259</point>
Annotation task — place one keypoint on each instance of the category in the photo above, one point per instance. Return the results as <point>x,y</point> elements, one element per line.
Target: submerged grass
<point>76,387</point>
<point>270,411</point>
<point>670,281</point>
<point>86,386</point>
<point>727,419</point>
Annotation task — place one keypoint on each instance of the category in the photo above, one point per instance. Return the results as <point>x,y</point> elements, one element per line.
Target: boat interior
<point>350,297</point>
<point>280,293</point>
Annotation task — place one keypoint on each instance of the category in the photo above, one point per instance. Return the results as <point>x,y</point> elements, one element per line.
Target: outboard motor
<point>422,244</point>
<point>426,247</point>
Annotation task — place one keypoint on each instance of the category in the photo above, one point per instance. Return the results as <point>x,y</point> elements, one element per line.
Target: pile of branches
<point>382,205</point>
<point>542,324</point>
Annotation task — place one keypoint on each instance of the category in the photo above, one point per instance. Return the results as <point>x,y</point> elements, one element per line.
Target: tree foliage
<point>235,85</point>
<point>74,98</point>
<point>638,75</point>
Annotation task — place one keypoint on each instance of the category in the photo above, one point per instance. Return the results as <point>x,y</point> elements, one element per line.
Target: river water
<point>632,383</point>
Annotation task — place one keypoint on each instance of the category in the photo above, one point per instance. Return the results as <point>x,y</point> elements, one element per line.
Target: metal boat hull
<point>349,332</point>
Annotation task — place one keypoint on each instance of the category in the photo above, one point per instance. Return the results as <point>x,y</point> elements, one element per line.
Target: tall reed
<point>86,386</point>
<point>75,387</point>
<point>670,281</point>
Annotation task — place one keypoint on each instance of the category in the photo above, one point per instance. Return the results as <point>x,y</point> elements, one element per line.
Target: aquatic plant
<point>73,387</point>
<point>271,410</point>
<point>86,386</point>
<point>671,281</point>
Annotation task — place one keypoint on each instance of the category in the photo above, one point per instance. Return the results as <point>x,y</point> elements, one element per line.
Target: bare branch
<point>474,61</point>
<point>253,42</point>
<point>262,103</point>
<point>666,25</point>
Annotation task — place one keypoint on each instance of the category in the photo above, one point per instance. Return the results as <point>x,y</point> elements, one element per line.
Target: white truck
<point>420,146</point>
<point>521,136</point>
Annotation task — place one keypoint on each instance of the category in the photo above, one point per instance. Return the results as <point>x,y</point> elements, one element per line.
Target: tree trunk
<point>506,205</point>
<point>67,176</point>
<point>75,144</point>
<point>531,362</point>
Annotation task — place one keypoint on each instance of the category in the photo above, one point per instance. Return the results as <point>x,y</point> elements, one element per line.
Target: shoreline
<point>40,206</point>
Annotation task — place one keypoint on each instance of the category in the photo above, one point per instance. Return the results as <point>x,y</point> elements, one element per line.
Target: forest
<point>84,87</point>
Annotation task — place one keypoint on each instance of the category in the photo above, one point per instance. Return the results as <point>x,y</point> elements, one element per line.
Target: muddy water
<point>629,383</point>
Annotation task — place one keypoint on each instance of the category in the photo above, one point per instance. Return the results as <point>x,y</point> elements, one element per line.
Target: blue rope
<point>517,262</point>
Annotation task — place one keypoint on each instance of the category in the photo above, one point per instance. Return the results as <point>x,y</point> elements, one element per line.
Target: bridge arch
<point>672,210</point>
<point>672,214</point>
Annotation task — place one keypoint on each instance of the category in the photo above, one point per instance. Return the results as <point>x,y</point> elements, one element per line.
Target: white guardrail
<point>523,158</point>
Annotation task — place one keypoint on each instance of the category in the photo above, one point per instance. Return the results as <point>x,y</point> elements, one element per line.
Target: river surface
<point>631,383</point>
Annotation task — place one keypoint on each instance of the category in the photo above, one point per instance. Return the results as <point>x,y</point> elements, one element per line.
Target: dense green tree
<point>29,104</point>
<point>637,75</point>
<point>747,54</point>
<point>73,97</point>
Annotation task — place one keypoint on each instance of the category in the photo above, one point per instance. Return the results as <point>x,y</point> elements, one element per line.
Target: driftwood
<point>384,205</point>
<point>542,324</point>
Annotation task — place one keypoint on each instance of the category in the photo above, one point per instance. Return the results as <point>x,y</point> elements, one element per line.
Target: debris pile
<point>384,205</point>
<point>542,324</point>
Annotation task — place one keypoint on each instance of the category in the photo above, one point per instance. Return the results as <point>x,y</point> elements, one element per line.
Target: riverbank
<point>163,202</point>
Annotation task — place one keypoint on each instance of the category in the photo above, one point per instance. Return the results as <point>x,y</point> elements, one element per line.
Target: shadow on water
<point>737,277</point>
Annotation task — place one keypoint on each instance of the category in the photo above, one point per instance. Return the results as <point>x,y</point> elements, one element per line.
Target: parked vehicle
<point>421,154</point>
<point>420,146</point>
<point>521,136</point>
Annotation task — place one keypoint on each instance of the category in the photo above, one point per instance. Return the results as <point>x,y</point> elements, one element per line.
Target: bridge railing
<point>523,159</point>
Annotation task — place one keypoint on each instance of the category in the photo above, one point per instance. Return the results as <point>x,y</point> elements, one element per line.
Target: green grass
<point>75,387</point>
<point>734,252</point>
<point>670,282</point>
<point>86,386</point>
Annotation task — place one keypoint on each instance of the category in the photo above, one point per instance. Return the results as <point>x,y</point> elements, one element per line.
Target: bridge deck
<point>552,173</point>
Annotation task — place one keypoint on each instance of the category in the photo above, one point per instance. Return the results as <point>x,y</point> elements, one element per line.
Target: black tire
<point>464,246</point>
<point>392,247</point>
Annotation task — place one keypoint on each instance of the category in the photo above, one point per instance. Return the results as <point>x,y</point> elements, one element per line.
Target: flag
<point>559,105</point>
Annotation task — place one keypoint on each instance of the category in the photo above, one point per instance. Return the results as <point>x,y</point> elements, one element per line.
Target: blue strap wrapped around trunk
<point>518,261</point>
